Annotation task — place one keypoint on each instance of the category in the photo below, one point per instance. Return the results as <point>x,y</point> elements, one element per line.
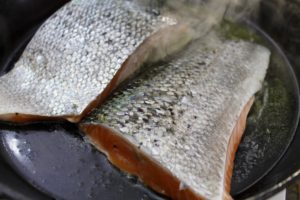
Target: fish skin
<point>182,113</point>
<point>74,55</point>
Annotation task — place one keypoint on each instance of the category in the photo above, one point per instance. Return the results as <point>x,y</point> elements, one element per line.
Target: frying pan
<point>283,25</point>
<point>58,163</point>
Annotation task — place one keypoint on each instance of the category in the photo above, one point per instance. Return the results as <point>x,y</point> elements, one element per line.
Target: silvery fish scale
<point>74,55</point>
<point>182,113</point>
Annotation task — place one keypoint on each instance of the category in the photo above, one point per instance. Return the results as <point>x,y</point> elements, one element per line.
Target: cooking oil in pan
<point>273,118</point>
<point>59,159</point>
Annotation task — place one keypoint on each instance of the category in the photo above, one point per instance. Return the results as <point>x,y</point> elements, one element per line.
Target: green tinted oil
<point>273,116</point>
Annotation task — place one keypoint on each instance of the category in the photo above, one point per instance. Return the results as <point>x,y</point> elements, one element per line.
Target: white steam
<point>203,15</point>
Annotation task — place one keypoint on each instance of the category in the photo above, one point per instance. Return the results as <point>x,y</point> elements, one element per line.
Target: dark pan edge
<point>7,157</point>
<point>296,120</point>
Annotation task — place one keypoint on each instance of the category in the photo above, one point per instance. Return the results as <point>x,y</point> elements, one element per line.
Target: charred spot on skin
<point>155,141</point>
<point>74,106</point>
<point>140,145</point>
<point>171,131</point>
<point>171,111</point>
<point>181,112</point>
<point>109,41</point>
<point>140,110</point>
<point>129,34</point>
<point>145,120</point>
<point>201,63</point>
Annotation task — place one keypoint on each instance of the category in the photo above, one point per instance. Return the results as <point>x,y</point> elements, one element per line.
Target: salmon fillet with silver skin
<point>178,125</point>
<point>81,53</point>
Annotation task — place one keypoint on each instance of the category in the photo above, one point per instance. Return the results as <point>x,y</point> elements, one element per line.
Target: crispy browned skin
<point>130,159</point>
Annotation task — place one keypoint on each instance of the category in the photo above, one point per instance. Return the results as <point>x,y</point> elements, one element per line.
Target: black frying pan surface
<point>54,158</point>
<point>15,187</point>
<point>18,19</point>
<point>285,173</point>
<point>272,121</point>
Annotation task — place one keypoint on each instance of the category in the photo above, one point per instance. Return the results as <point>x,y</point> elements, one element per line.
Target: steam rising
<point>203,15</point>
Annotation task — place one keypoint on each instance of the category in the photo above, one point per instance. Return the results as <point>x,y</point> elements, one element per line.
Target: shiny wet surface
<point>272,121</point>
<point>55,159</point>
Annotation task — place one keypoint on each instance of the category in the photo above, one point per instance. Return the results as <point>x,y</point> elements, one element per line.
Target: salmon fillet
<point>178,125</point>
<point>130,159</point>
<point>81,53</point>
